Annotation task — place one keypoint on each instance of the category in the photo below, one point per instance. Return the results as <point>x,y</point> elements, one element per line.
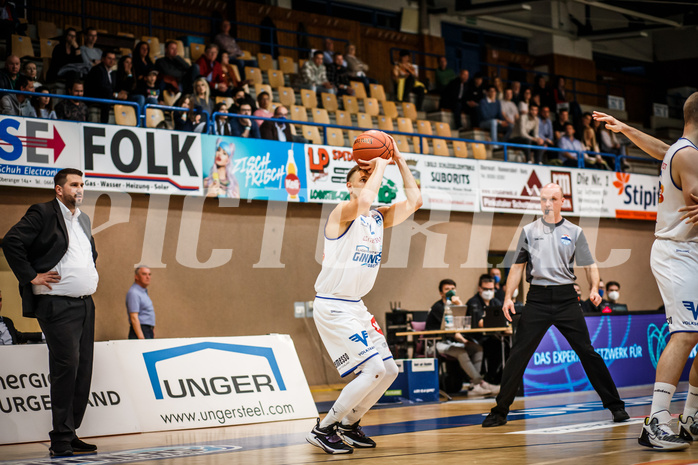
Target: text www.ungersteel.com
<point>223,416</point>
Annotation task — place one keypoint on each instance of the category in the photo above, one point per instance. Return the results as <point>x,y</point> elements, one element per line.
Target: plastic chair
<point>385,123</point>
<point>351,104</point>
<point>46,29</point>
<point>154,44</point>
<point>371,106</point>
<point>390,109</point>
<point>275,78</point>
<point>309,98</point>
<point>254,74</point>
<point>409,110</point>
<point>364,121</point>
<point>329,102</point>
<point>378,92</point>
<point>298,113</point>
<point>286,65</point>
<point>259,88</point>
<point>312,134</point>
<point>287,96</point>
<point>335,137</point>
<point>153,117</point>
<point>402,143</point>
<point>440,147</point>
<point>195,51</point>
<point>265,61</point>
<point>22,46</point>
<point>125,115</point>
<point>320,116</point>
<point>359,89</point>
<point>170,98</point>
<point>353,135</point>
<point>424,127</point>
<point>405,125</point>
<point>443,130</point>
<point>46,47</point>
<point>459,149</point>
<point>343,118</point>
<point>246,55</point>
<point>479,151</point>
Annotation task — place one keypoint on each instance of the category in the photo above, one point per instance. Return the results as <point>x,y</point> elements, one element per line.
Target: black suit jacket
<point>97,83</point>
<point>18,337</point>
<point>268,131</point>
<point>36,244</point>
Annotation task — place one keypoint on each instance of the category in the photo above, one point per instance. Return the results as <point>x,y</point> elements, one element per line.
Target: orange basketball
<point>372,144</point>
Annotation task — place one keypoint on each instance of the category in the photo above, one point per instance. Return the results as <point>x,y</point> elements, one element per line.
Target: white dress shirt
<point>77,267</point>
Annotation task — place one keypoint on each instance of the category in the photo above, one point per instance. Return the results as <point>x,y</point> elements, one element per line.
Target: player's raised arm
<point>400,211</point>
<point>648,144</point>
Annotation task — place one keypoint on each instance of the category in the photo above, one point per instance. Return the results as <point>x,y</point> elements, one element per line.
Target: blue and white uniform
<point>349,269</point>
<point>674,257</point>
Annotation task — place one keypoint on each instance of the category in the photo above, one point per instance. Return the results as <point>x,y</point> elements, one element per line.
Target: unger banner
<point>32,150</point>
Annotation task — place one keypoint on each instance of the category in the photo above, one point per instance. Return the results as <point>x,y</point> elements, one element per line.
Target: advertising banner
<point>149,161</point>
<point>236,167</point>
<point>33,150</point>
<point>25,402</point>
<point>629,344</point>
<point>196,383</point>
<point>446,183</point>
<point>634,196</point>
<point>592,192</point>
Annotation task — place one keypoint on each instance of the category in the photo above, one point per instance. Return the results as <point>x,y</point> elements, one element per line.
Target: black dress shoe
<point>81,446</point>
<point>61,449</point>
<point>494,419</point>
<point>620,415</point>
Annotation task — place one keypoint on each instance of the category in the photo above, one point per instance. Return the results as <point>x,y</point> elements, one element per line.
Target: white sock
<point>353,393</point>
<point>391,372</point>
<point>691,407</point>
<point>661,402</point>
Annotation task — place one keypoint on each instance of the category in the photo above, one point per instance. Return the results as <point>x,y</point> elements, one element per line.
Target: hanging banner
<point>446,183</point>
<point>33,150</point>
<point>634,196</point>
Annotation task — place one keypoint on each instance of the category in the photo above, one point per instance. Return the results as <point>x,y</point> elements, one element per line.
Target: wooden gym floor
<point>542,430</point>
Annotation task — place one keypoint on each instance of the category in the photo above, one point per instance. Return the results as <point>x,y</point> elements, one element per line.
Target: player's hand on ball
<point>371,165</point>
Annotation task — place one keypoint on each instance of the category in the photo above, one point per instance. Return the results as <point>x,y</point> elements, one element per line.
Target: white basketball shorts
<point>675,267</point>
<point>350,333</point>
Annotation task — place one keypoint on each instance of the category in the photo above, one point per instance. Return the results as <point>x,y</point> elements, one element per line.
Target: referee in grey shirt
<point>547,249</point>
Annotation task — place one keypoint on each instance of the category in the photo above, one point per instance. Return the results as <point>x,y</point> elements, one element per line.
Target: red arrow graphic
<point>56,144</point>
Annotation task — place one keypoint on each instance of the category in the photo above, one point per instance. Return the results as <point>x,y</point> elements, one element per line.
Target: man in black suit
<point>453,96</point>
<point>99,83</point>
<point>277,131</point>
<point>9,334</point>
<point>52,253</point>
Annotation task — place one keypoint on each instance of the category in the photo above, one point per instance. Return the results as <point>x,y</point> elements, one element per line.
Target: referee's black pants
<point>69,326</point>
<point>547,306</point>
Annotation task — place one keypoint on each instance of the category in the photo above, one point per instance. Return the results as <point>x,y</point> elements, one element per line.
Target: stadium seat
<point>46,47</point>
<point>424,127</point>
<point>371,106</point>
<point>298,113</point>
<point>195,51</point>
<point>440,147</point>
<point>170,98</point>
<point>405,125</point>
<point>421,146</point>
<point>443,130</point>
<point>409,110</point>
<point>259,88</point>
<point>301,61</point>
<point>309,98</point>
<point>46,30</point>
<point>359,89</point>
<point>254,74</point>
<point>275,78</point>
<point>236,71</point>
<point>153,117</point>
<point>390,109</point>
<point>402,143</point>
<point>329,102</point>
<point>286,65</point>
<point>123,51</point>
<point>320,116</point>
<point>246,55</point>
<point>385,123</point>
<point>479,151</point>
<point>287,96</point>
<point>125,115</point>
<point>312,134</point>
<point>351,104</point>
<point>343,118</point>
<point>125,34</point>
<point>460,149</point>
<point>335,137</point>
<point>353,135</point>
<point>378,92</point>
<point>229,101</point>
<point>364,120</point>
<point>265,61</point>
<point>154,44</point>
<point>22,46</point>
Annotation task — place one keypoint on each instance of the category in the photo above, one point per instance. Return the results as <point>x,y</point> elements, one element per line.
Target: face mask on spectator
<point>614,295</point>
<point>487,295</point>
<point>600,292</point>
<point>497,279</point>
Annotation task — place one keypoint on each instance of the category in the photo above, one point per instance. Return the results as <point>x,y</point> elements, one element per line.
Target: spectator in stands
<point>149,89</point>
<point>240,97</point>
<point>499,85</point>
<point>613,292</point>
<point>202,95</point>
<point>490,114</point>
<point>328,53</point>
<point>563,117</point>
<point>29,70</point>
<point>212,70</point>
<point>454,96</point>
<point>73,110</point>
<point>272,130</point>
<point>525,102</point>
<point>589,141</point>
<point>568,142</point>
<point>243,127</point>
<point>444,75</point>
<point>516,92</point>
<point>141,60</point>
<point>560,94</point>
<point>19,104</point>
<point>125,80</point>
<point>338,76</point>
<point>263,107</point>
<point>496,275</point>
<point>9,23</point>
<point>66,59</point>
<point>180,117</point>
<point>314,75</point>
<point>227,44</point>
<point>43,107</point>
<point>609,143</point>
<point>194,121</point>
<point>231,79</point>
<point>8,76</point>
<point>526,132</point>
<point>221,125</point>
<point>509,111</point>
<point>543,91</point>
<point>91,55</point>
<point>474,94</point>
<point>174,71</point>
<point>545,128</point>
<point>357,68</point>
<point>100,83</point>
<point>406,80</point>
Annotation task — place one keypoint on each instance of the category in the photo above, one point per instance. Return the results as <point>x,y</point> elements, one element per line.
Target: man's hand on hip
<point>46,279</point>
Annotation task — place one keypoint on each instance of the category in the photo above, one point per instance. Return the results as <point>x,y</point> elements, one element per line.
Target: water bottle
<point>448,316</point>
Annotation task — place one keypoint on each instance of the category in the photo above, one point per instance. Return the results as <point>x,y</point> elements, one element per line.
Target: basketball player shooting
<point>352,256</point>
<point>674,261</point>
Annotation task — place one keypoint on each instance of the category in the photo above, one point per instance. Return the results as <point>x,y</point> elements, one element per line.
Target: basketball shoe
<point>354,436</point>
<point>328,440</point>
<point>660,436</point>
<point>688,429</point>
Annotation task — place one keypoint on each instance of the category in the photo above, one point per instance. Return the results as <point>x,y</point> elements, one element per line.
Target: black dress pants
<point>69,326</point>
<point>547,306</point>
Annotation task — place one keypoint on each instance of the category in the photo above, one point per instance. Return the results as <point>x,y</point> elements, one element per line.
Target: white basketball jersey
<point>669,224</point>
<point>351,262</point>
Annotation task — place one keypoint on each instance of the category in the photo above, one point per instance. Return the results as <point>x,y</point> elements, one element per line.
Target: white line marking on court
<point>580,427</point>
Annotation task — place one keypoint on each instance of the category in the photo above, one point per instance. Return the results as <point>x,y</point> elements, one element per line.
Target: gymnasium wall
<point>271,267</point>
